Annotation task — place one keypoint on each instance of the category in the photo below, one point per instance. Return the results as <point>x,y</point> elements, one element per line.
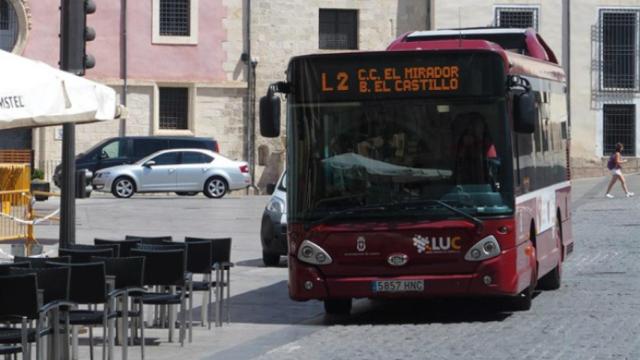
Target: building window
<point>619,49</point>
<point>338,29</point>
<point>174,108</point>
<point>174,18</point>
<point>517,17</point>
<point>175,21</point>
<point>9,28</point>
<point>619,127</point>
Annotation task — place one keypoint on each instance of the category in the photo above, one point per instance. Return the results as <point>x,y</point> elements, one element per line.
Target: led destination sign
<point>393,79</point>
<point>345,77</point>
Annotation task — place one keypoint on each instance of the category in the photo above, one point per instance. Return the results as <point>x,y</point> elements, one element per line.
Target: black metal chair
<point>53,282</point>
<point>165,268</point>
<point>158,240</point>
<point>221,265</point>
<point>85,255</point>
<point>88,286</point>
<point>199,261</point>
<point>125,245</point>
<point>41,262</point>
<point>114,247</point>
<point>20,305</point>
<point>5,268</point>
<point>128,273</point>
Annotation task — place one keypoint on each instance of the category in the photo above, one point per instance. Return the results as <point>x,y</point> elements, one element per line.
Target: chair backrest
<point>220,248</point>
<point>149,239</point>
<point>19,295</point>
<point>125,245</point>
<point>85,255</point>
<point>5,267</point>
<point>87,284</point>
<point>114,247</point>
<point>54,281</point>
<point>129,271</point>
<point>162,267</point>
<point>199,257</point>
<point>41,262</point>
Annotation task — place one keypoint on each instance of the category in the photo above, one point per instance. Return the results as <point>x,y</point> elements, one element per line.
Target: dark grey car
<point>273,231</point>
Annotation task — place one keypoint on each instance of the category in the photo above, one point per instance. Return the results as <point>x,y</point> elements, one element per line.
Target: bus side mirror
<point>270,115</point>
<point>525,112</point>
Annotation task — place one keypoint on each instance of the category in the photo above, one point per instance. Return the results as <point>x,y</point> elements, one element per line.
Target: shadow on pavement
<point>267,305</point>
<point>428,311</point>
<point>259,263</point>
<point>271,305</point>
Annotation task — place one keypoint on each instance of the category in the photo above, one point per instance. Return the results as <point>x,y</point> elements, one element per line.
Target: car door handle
<point>172,170</point>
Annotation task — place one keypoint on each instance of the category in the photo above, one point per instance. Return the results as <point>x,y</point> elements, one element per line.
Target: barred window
<point>619,127</point>
<point>174,108</point>
<point>619,54</point>
<point>516,17</point>
<point>338,29</point>
<point>175,18</point>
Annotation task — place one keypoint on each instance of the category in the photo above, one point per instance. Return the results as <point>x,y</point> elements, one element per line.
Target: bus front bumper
<point>493,277</point>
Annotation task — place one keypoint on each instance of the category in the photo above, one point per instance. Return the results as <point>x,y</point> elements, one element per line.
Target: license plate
<point>398,286</point>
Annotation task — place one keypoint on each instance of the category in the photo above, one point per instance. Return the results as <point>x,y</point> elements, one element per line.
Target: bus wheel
<point>337,306</point>
<point>553,279</point>
<point>522,301</point>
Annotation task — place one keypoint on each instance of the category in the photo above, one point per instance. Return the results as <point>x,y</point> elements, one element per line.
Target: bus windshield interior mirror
<point>270,115</point>
<point>525,106</point>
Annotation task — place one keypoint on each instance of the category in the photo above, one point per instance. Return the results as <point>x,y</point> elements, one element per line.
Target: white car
<point>184,171</point>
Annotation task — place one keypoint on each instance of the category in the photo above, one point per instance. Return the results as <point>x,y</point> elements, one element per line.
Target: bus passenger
<point>473,147</point>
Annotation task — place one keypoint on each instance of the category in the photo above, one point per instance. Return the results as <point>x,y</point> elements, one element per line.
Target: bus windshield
<point>404,151</point>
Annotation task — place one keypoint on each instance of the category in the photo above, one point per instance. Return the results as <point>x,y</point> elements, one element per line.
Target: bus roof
<point>518,61</point>
<point>522,41</point>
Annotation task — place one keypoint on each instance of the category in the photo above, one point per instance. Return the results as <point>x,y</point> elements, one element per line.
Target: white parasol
<point>35,94</point>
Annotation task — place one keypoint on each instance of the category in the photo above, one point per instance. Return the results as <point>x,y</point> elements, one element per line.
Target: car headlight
<point>102,174</point>
<point>276,206</point>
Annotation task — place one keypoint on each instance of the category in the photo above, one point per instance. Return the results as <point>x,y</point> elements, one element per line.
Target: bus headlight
<point>311,253</point>
<point>484,249</point>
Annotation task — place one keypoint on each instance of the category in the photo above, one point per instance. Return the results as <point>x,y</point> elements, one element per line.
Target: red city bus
<point>436,168</point>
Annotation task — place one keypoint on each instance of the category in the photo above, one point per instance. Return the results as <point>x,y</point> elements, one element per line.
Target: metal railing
<point>15,206</point>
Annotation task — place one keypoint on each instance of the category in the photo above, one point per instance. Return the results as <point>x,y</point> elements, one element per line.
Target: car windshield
<point>381,152</point>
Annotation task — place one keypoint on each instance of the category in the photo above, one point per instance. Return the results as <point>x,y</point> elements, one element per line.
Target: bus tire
<point>337,306</point>
<point>522,301</point>
<point>553,279</point>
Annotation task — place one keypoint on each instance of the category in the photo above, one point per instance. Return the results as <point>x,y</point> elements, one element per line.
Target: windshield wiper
<point>349,211</point>
<point>479,224</point>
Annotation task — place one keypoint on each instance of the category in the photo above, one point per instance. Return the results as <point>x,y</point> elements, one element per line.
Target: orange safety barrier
<point>15,203</point>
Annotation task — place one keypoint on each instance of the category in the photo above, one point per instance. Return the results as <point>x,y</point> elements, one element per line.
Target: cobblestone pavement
<point>595,315</point>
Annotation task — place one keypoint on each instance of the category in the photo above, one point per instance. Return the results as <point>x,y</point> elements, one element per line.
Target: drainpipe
<point>566,51</point>
<point>250,117</point>
<point>123,62</point>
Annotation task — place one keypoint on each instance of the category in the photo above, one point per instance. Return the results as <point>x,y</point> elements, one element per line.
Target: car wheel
<point>337,306</point>
<point>186,193</point>
<point>270,259</point>
<point>123,187</point>
<point>215,188</point>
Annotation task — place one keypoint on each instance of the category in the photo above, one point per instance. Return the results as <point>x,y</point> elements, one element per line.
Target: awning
<point>34,94</point>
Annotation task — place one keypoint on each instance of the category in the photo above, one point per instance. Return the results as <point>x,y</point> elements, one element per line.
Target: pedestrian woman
<point>616,171</point>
